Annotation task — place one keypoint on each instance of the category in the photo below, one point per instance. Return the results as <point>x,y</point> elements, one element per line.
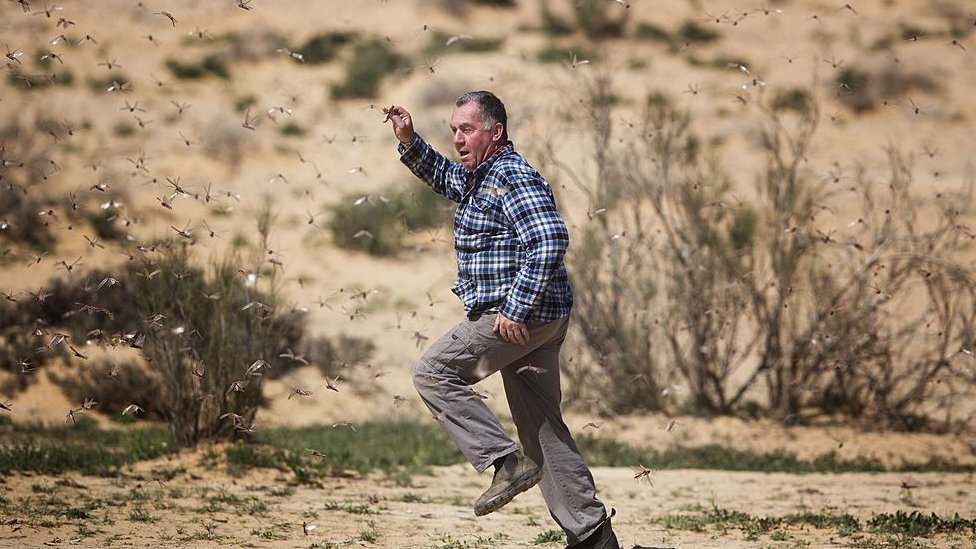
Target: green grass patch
<point>379,446</point>
<point>81,447</point>
<point>391,447</point>
<point>920,524</point>
<point>914,524</point>
<point>605,452</point>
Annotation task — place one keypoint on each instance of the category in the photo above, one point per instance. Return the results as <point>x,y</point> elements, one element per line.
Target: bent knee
<point>424,375</point>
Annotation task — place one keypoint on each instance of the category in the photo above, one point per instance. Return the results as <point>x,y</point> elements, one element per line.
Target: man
<point>509,240</point>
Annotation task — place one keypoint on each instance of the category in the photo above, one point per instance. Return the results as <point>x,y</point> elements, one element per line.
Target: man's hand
<point>511,331</point>
<point>402,123</point>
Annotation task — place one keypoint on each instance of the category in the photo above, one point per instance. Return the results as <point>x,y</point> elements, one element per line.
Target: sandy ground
<point>348,150</point>
<point>201,508</point>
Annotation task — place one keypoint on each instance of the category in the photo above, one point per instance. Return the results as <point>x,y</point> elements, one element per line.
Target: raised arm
<point>442,175</point>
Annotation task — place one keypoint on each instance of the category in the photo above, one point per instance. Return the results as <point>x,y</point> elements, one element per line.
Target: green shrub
<point>293,129</point>
<point>560,54</point>
<point>324,47</point>
<point>596,18</point>
<point>103,83</point>
<point>795,99</point>
<point>600,19</point>
<point>103,223</point>
<point>692,32</point>
<point>438,44</point>
<point>211,65</point>
<point>123,129</point>
<point>377,225</point>
<point>653,32</point>
<point>31,81</point>
<point>371,61</point>
<point>242,104</point>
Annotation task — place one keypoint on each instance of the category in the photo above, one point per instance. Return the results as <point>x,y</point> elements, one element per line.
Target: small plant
<point>369,534</point>
<point>550,536</point>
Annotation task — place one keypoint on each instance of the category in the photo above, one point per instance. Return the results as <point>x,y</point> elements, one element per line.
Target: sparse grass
<point>369,534</point>
<point>920,524</point>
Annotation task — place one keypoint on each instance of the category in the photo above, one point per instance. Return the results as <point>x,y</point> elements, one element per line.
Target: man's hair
<point>492,109</point>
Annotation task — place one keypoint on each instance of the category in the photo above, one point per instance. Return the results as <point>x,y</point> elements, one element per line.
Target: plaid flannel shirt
<point>508,236</point>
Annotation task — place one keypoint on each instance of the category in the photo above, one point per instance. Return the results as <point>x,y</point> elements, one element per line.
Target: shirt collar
<point>483,168</point>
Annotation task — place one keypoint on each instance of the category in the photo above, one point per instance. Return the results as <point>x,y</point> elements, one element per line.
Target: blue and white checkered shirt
<point>508,235</point>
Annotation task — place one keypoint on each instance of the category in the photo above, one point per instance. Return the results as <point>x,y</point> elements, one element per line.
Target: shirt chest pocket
<point>487,205</point>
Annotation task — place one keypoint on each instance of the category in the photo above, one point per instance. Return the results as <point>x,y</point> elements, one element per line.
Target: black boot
<point>601,538</point>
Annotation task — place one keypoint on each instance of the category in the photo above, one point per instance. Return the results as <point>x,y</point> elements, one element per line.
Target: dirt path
<point>199,507</point>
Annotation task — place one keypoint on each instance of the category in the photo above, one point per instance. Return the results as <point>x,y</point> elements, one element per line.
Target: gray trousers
<point>470,352</point>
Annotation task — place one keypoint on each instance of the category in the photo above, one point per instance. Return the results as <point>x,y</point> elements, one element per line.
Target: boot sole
<point>502,499</point>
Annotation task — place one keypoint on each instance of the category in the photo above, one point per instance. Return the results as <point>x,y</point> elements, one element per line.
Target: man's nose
<point>458,137</point>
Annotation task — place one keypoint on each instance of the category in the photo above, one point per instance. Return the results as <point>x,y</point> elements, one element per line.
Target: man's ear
<point>497,131</point>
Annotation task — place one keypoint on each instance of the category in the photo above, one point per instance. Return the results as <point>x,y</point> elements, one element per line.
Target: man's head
<point>479,124</point>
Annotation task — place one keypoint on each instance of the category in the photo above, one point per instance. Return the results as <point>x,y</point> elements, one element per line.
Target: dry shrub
<point>685,285</point>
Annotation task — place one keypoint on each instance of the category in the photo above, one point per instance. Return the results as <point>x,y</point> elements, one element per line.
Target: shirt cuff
<point>409,147</point>
<point>516,312</point>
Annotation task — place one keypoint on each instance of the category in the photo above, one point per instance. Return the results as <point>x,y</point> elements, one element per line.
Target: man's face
<point>471,140</point>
